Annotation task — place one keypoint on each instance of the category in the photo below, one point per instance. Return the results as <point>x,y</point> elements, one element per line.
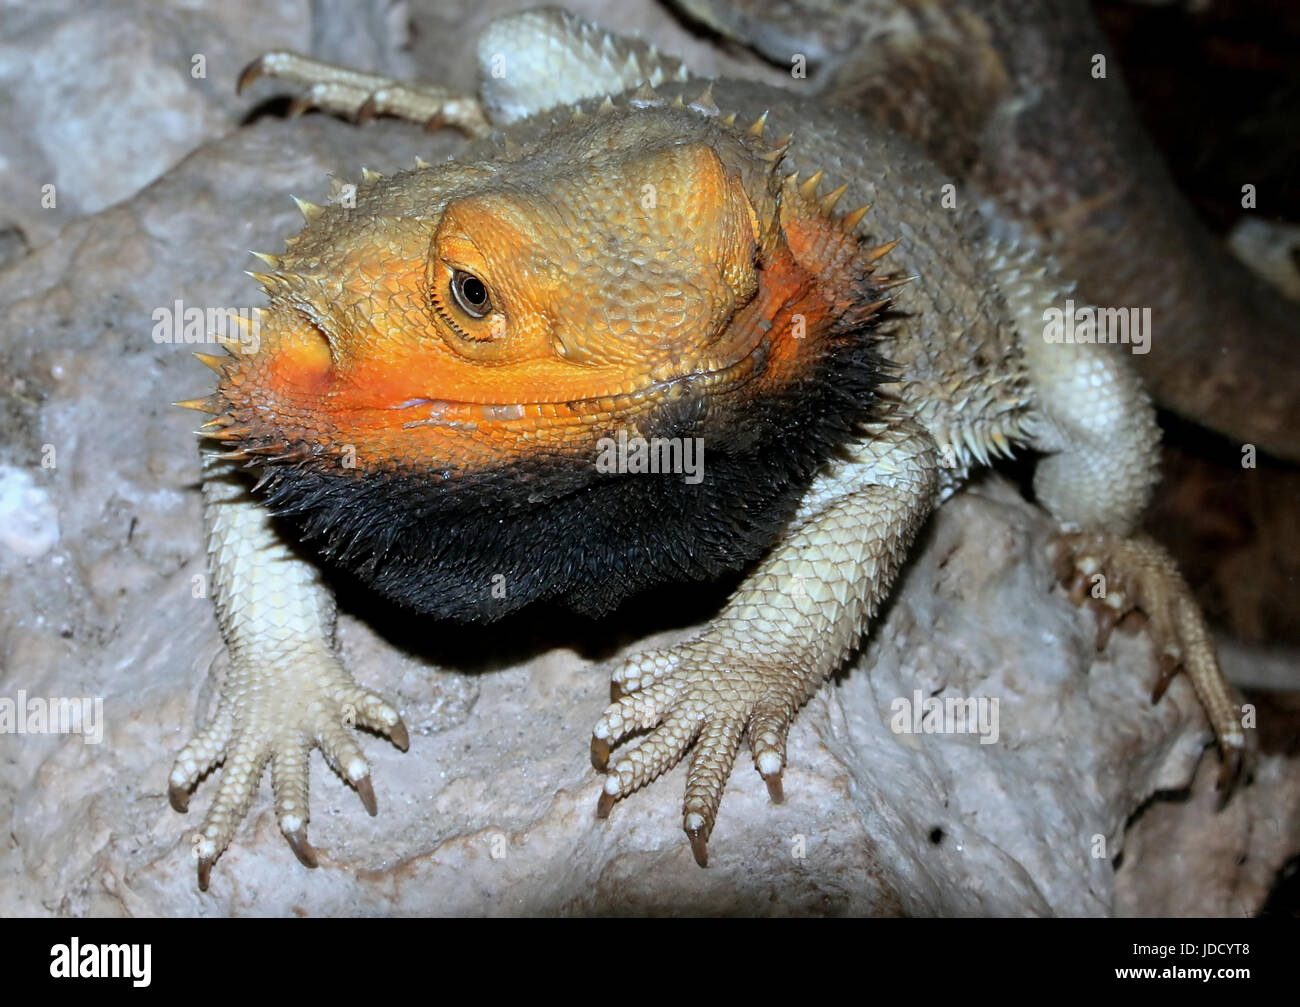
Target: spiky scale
<point>832,198</point>
<point>880,251</point>
<point>809,188</point>
<point>704,101</point>
<point>854,217</point>
<point>228,434</point>
<point>756,128</point>
<point>245,326</point>
<point>645,96</point>
<point>890,282</point>
<point>268,449</point>
<point>207,404</point>
<point>218,364</point>
<point>310,211</point>
<point>267,281</point>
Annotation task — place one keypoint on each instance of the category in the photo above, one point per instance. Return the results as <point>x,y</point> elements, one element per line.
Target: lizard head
<point>444,357</point>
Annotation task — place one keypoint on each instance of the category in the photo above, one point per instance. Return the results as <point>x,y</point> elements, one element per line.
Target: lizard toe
<point>362,708</point>
<point>345,757</point>
<point>200,754</point>
<point>651,758</point>
<point>244,760</point>
<point>641,671</point>
<point>711,765</point>
<point>768,731</point>
<point>624,716</point>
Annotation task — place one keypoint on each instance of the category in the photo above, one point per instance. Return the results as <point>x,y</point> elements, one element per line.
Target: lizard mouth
<point>453,414</point>
<point>298,424</point>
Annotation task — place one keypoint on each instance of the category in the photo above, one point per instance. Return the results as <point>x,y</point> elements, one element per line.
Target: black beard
<point>483,545</point>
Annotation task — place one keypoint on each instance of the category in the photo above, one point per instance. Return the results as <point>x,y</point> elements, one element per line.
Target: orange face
<point>518,318</point>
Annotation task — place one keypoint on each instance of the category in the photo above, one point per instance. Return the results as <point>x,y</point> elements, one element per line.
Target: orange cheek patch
<point>294,363</point>
<point>302,360</point>
<point>795,316</point>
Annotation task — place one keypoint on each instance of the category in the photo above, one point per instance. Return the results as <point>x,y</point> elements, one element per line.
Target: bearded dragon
<point>626,250</point>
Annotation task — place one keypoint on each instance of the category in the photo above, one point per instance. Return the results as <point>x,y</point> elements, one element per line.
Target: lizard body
<point>634,251</point>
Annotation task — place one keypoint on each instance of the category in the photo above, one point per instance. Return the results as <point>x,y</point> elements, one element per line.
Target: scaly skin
<point>637,251</point>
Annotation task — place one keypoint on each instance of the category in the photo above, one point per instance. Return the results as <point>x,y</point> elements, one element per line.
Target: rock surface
<point>161,190</point>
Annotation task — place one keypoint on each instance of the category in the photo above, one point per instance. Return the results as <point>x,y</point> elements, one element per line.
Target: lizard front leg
<point>285,692</point>
<point>790,625</point>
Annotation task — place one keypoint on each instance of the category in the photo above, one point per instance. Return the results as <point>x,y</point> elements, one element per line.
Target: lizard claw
<point>367,110</point>
<point>1233,767</point>
<point>367,794</point>
<point>179,798</point>
<point>599,754</point>
<point>1169,669</point>
<point>699,838</point>
<point>254,71</point>
<point>205,872</point>
<point>302,849</point>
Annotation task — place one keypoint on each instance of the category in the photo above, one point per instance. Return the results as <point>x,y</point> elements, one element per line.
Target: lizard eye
<point>470,294</point>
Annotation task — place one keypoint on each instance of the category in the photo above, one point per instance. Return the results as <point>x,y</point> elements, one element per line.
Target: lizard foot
<point>362,96</point>
<point>695,694</point>
<point>1131,580</point>
<point>278,714</point>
